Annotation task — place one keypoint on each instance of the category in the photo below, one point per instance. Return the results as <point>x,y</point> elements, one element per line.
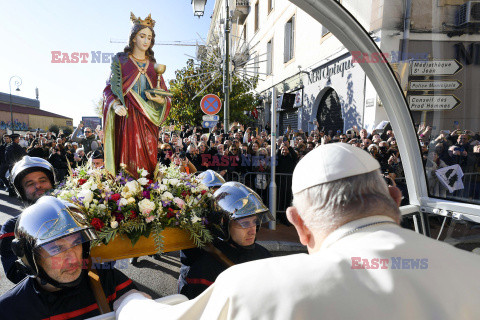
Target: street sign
<point>210,104</point>
<point>433,102</point>
<point>209,124</point>
<point>435,67</point>
<point>210,118</point>
<point>427,85</point>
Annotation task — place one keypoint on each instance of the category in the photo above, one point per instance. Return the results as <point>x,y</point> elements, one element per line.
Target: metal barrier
<point>471,190</point>
<point>260,182</point>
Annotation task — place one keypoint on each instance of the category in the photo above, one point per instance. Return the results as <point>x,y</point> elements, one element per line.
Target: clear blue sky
<point>31,30</point>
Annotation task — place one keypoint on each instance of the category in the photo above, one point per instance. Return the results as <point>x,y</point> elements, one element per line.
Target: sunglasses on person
<point>88,131</point>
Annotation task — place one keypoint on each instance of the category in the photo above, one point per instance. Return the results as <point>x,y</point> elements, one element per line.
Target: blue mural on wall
<point>18,126</point>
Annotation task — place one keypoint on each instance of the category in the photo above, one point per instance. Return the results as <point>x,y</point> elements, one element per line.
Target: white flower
<point>114,224</point>
<point>102,208</point>
<point>87,196</point>
<point>179,202</point>
<point>65,194</point>
<point>146,206</point>
<point>143,181</point>
<point>132,186</point>
<point>123,202</point>
<point>131,200</point>
<point>149,219</point>
<point>167,196</point>
<point>162,188</point>
<point>196,219</point>
<point>144,172</point>
<point>174,182</point>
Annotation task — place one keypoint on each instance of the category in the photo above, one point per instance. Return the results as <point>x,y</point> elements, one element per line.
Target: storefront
<point>334,95</point>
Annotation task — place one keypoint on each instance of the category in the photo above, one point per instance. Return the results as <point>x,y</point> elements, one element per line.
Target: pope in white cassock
<point>361,263</point>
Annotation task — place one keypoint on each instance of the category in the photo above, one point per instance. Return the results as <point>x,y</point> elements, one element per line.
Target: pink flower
<point>179,202</point>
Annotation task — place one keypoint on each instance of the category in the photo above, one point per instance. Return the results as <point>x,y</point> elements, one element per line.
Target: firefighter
<point>237,214</point>
<point>52,244</point>
<point>31,177</point>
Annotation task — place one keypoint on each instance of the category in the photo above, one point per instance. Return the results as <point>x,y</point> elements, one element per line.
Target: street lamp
<point>198,10</point>
<point>18,83</point>
<point>198,7</point>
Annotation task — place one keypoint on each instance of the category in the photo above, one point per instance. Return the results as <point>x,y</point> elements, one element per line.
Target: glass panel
<point>434,49</point>
<point>459,233</point>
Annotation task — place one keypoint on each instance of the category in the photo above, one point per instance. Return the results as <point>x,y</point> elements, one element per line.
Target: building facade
<point>309,75</point>
<point>27,115</point>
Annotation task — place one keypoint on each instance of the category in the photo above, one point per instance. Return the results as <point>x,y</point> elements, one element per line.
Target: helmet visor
<point>251,221</point>
<point>63,244</point>
<point>247,222</point>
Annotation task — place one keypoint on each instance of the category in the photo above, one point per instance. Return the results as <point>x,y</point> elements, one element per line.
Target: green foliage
<point>192,79</point>
<point>158,237</point>
<point>54,128</point>
<point>104,236</point>
<point>116,79</point>
<point>67,131</point>
<point>200,236</point>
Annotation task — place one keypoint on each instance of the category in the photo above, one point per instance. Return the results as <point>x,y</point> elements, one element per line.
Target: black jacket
<point>200,269</point>
<point>13,153</point>
<point>7,256</point>
<point>28,301</point>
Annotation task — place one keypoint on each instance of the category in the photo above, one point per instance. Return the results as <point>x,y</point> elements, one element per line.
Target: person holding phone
<point>181,161</point>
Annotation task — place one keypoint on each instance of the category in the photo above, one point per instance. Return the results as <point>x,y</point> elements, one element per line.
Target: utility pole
<point>226,78</point>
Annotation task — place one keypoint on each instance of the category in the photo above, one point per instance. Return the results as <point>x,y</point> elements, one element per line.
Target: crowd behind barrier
<point>243,150</point>
<point>239,154</point>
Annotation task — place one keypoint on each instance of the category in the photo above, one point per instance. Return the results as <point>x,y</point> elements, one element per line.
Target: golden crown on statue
<point>148,22</point>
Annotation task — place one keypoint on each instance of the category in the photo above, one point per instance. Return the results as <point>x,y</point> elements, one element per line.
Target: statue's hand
<point>159,99</point>
<point>119,109</point>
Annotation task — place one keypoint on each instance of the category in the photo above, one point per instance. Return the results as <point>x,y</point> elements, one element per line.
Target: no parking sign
<point>211,104</point>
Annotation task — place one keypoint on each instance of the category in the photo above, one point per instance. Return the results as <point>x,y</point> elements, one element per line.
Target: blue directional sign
<point>209,124</point>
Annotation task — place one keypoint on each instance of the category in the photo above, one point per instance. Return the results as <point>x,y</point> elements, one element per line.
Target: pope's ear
<point>304,233</point>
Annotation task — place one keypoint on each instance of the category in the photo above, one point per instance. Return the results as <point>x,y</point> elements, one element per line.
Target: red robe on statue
<point>135,136</point>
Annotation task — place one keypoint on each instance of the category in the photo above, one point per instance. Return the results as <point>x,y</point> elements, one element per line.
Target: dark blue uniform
<point>200,269</point>
<point>28,301</point>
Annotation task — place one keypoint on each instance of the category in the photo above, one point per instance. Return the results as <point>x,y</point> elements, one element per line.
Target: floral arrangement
<point>123,205</point>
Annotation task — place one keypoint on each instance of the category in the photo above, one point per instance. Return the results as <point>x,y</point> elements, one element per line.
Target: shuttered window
<point>289,40</point>
<point>269,57</point>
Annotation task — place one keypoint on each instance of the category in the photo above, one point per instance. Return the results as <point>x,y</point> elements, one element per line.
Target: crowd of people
<point>449,148</point>
<point>347,219</point>
<point>241,153</point>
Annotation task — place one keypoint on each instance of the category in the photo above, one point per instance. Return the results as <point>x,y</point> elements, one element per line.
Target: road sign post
<point>210,118</point>
<point>432,102</point>
<point>211,104</point>
<point>431,85</point>
<point>435,67</point>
